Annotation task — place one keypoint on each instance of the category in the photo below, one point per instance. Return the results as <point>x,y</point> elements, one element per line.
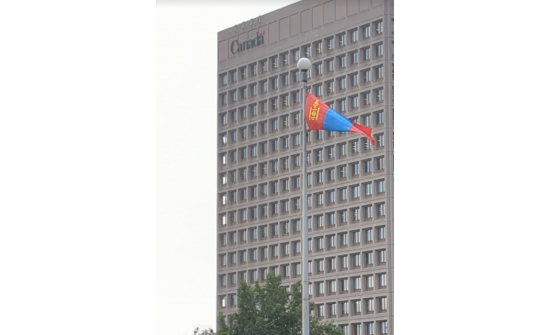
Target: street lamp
<point>304,65</point>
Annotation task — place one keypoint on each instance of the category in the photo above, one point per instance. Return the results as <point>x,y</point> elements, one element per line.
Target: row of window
<point>366,328</point>
<point>356,260</point>
<point>288,58</point>
<point>356,214</point>
<point>336,309</point>
<point>366,282</point>
<point>354,101</point>
<point>274,125</point>
<point>292,141</point>
<point>293,119</point>
<point>332,85</point>
<point>378,327</point>
<point>365,236</point>
<point>318,199</point>
<point>361,328</point>
<point>314,178</point>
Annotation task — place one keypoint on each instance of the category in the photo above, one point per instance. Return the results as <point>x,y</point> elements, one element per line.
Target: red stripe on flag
<point>359,128</point>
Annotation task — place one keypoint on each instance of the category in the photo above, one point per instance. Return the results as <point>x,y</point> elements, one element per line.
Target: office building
<point>350,192</point>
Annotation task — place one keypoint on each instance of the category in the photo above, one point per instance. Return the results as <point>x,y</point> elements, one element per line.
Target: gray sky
<point>186,156</point>
<point>78,198</point>
<point>467,227</point>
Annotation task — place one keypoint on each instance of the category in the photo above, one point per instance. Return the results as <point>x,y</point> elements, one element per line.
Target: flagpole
<point>304,65</point>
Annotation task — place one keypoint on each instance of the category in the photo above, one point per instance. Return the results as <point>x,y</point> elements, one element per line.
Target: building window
<point>369,259</point>
<point>379,50</point>
<point>306,50</point>
<point>342,61</point>
<point>368,165</point>
<point>378,27</point>
<point>342,105</point>
<point>356,259</point>
<point>381,233</point>
<point>366,54</point>
<point>223,79</point>
<point>318,90</point>
<point>275,103</point>
<point>331,309</point>
<point>379,72</point>
<point>382,280</point>
<point>354,100</point>
<point>342,39</point>
<point>329,41</point>
<point>383,304</point>
<point>274,62</point>
<point>368,235</point>
<point>330,65</point>
<point>381,209</point>
<point>331,285</point>
<point>354,79</point>
<point>383,327</point>
<point>366,76</point>
<point>380,95</point>
<point>382,257</point>
<point>366,31</point>
<point>223,119</point>
<point>370,305</point>
<point>330,220</point>
<point>330,87</point>
<point>368,189</point>
<point>342,83</point>
<point>368,212</point>
<point>285,58</point>
<point>345,311</point>
<point>342,172</point>
<point>274,83</point>
<point>381,163</point>
<point>367,99</point>
<point>379,138</point>
<point>318,47</point>
<point>354,36</point>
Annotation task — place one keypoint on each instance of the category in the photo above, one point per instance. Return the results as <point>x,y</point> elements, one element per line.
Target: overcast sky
<point>457,147</point>
<point>186,156</point>
<point>108,165</point>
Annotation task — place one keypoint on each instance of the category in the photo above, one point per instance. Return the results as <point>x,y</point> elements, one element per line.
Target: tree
<point>271,310</point>
<point>203,332</point>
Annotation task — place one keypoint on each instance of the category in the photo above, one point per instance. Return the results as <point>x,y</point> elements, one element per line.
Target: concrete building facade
<point>350,192</point>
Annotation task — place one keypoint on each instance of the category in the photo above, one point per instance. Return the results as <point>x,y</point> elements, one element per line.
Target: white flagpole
<point>304,65</point>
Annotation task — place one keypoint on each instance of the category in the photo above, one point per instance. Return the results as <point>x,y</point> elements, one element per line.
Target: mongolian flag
<point>319,116</point>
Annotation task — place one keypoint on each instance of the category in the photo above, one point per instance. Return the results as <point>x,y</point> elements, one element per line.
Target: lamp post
<point>304,65</point>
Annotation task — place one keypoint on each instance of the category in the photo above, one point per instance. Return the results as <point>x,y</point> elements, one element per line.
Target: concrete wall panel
<point>295,24</point>
<point>317,16</point>
<point>341,9</point>
<point>284,28</point>
<point>329,12</point>
<point>222,50</point>
<point>273,35</point>
<point>364,5</point>
<point>353,7</point>
<point>306,20</point>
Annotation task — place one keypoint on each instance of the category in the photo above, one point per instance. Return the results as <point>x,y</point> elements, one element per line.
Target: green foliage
<point>203,332</point>
<point>271,310</point>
